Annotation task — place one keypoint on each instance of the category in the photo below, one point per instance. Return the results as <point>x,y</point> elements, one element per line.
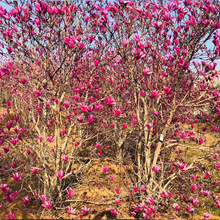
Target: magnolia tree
<point>129,76</point>
<point>167,69</point>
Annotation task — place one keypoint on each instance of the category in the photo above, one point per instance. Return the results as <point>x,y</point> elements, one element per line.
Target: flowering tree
<point>126,74</point>
<point>168,70</point>
<point>53,78</point>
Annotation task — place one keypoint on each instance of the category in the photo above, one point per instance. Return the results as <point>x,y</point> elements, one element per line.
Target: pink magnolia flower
<point>26,200</point>
<point>97,145</point>
<point>66,104</point>
<point>37,7</point>
<point>70,41</point>
<point>181,166</point>
<point>96,62</point>
<point>149,126</point>
<point>214,128</point>
<point>115,27</point>
<point>1,142</point>
<point>154,94</point>
<point>37,20</point>
<point>17,176</point>
<point>105,169</point>
<point>193,177</point>
<point>157,25</point>
<point>6,149</point>
<point>147,71</point>
<point>206,193</point>
<point>117,112</point>
<point>65,158</point>
<point>81,45</point>
<point>80,118</point>
<point>117,201</point>
<point>40,139</point>
<point>189,208</point>
<point>117,191</point>
<point>56,101</point>
<point>17,129</point>
<point>125,125</point>
<point>148,211</point>
<point>142,92</point>
<point>7,191</point>
<point>9,198</point>
<point>217,166</point>
<point>125,42</point>
<point>4,71</point>
<point>192,133</point>
<point>23,80</point>
<point>166,194</point>
<point>156,168</point>
<point>15,194</point>
<point>50,139</point>
<point>167,90</point>
<point>9,49</point>
<point>193,187</point>
<point>156,113</point>
<point>150,200</point>
<point>38,93</point>
<point>111,177</point>
<point>3,187</point>
<point>201,140</point>
<point>215,155</point>
<point>146,215</point>
<point>170,195</point>
<point>91,118</point>
<point>165,74</point>
<point>133,214</point>
<point>11,216</point>
<point>143,188</point>
<point>35,170</point>
<point>110,101</point>
<point>137,208</point>
<point>47,204</point>
<point>206,215</point>
<point>176,207</point>
<point>14,140</point>
<point>63,131</point>
<point>43,198</point>
<point>136,189</point>
<point>207,174</point>
<point>85,210</point>
<point>134,121</point>
<point>113,212</point>
<point>194,200</point>
<point>9,125</point>
<point>217,204</point>
<point>70,192</point>
<point>60,174</point>
<point>68,116</point>
<point>183,135</point>
<point>98,107</point>
<point>111,79</point>
<point>71,211</point>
